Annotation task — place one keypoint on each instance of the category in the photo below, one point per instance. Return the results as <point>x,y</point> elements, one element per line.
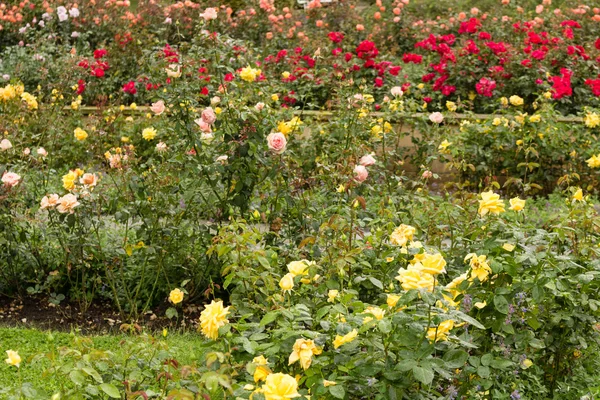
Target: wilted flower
<point>303,351</point>
<point>347,338</point>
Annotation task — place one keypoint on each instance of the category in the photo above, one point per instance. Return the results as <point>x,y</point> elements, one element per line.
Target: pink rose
<point>209,13</point>
<point>276,142</point>
<point>209,116</point>
<point>158,107</point>
<point>427,174</point>
<point>204,127</point>
<point>42,152</point>
<point>360,173</point>
<point>5,144</point>
<point>259,106</point>
<point>367,161</point>
<point>436,117</point>
<point>10,179</point>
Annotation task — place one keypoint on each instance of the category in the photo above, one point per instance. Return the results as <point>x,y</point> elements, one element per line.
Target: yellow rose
<point>444,145</point>
<point>452,286</point>
<point>451,106</point>
<point>402,234</point>
<point>516,100</point>
<point>149,133</point>
<point>303,351</point>
<point>516,204</point>
<point>526,363</point>
<point>496,121</point>
<point>490,203</point>
<point>535,118</point>
<point>592,120</point>
<point>249,74</point>
<point>480,304</point>
<point>433,264</point>
<point>327,383</point>
<point>392,300</point>
<point>347,338</point>
<point>69,180</point>
<point>285,74</point>
<point>376,312</point>
<point>441,331</point>
<point>13,358</point>
<point>504,101</point>
<point>280,387</point>
<point>594,161</point>
<point>413,278</point>
<point>212,318</point>
<point>262,370</point>
<point>299,267</point>
<point>176,296</point>
<point>578,196</point>
<point>479,267</point>
<point>80,134</point>
<point>287,282</point>
<point>332,295</point>
<point>508,247</point>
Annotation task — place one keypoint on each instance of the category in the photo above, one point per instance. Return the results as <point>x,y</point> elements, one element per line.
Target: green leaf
<point>110,390</point>
<point>93,373</point>
<point>455,358</point>
<point>501,304</point>
<point>464,317</point>
<point>376,282</point>
<point>337,391</point>
<point>171,313</point>
<point>77,377</point>
<point>423,375</point>
<point>269,317</point>
<point>483,371</point>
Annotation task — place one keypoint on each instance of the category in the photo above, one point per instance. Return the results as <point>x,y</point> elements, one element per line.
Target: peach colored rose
<point>49,201</point>
<point>89,180</point>
<point>158,107</point>
<point>276,142</point>
<point>367,160</point>
<point>209,13</point>
<point>360,173</point>
<point>67,204</point>
<point>42,152</point>
<point>360,27</point>
<point>11,179</point>
<point>204,127</point>
<point>209,116</point>
<point>5,144</point>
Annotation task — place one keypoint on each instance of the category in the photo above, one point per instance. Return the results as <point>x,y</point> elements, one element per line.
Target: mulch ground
<point>37,312</point>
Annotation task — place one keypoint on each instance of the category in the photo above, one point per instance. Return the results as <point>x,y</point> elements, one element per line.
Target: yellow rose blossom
<point>80,134</point>
<point>592,120</point>
<point>578,195</point>
<point>516,100</point>
<point>376,312</point>
<point>451,106</point>
<point>249,74</point>
<point>285,74</point>
<point>519,142</point>
<point>275,97</point>
<point>280,387</point>
<point>516,204</point>
<point>504,101</point>
<point>287,282</point>
<point>176,296</point>
<point>479,267</point>
<point>332,295</point>
<point>13,358</point>
<point>496,121</point>
<point>433,264</point>
<point>535,118</point>
<point>441,332</point>
<point>31,100</point>
<point>454,284</point>
<point>262,370</point>
<point>347,338</point>
<point>526,363</point>
<point>69,180</point>
<point>212,318</point>
<point>327,383</point>
<point>413,278</point>
<point>490,203</point>
<point>392,299</point>
<point>594,161</point>
<point>149,133</point>
<point>444,145</point>
<point>297,268</point>
<point>303,351</point>
<point>402,234</point>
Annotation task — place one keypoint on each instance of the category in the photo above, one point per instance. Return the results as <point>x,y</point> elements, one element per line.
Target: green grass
<point>31,342</point>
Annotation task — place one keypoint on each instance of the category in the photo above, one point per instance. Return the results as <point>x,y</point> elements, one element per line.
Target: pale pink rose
<point>10,179</point>
<point>5,144</point>
<point>209,13</point>
<point>49,201</point>
<point>396,20</point>
<point>427,175</point>
<point>89,180</point>
<point>204,127</point>
<point>209,116</point>
<point>161,147</point>
<point>396,91</point>
<point>26,151</point>
<point>158,107</point>
<point>539,9</point>
<point>474,11</point>
<point>367,160</point>
<point>42,152</point>
<point>360,173</point>
<point>546,2</point>
<point>360,27</point>
<point>215,100</point>
<point>557,11</point>
<point>259,106</point>
<point>436,117</point>
<point>222,159</point>
<point>276,142</point>
<point>67,204</point>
